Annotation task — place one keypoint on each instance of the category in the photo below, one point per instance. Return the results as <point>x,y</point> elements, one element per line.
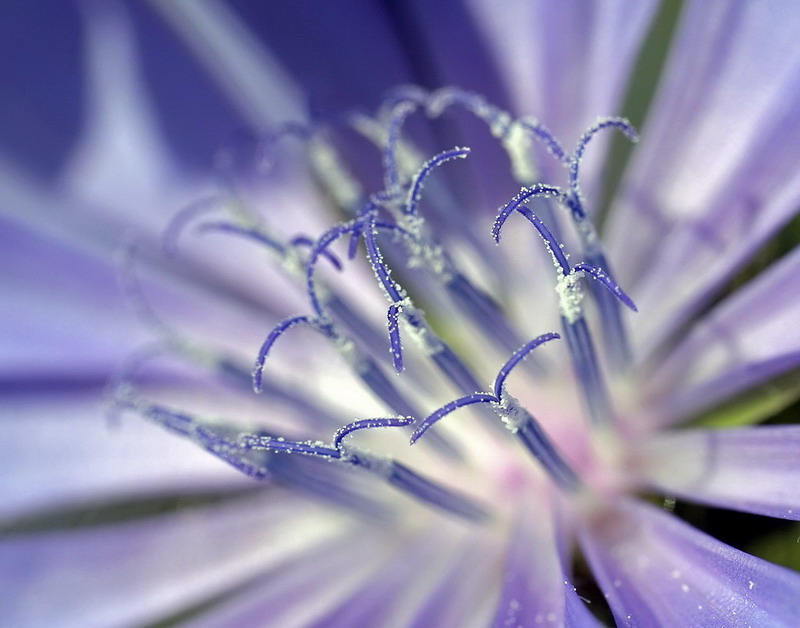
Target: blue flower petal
<point>715,174</point>
<point>40,70</point>
<point>146,570</point>
<point>753,469</point>
<point>749,338</point>
<point>656,570</point>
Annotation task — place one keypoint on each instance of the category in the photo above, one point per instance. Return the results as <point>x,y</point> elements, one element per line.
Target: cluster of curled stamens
<point>391,227</point>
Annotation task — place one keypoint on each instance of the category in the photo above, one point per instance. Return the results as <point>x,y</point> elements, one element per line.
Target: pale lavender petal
<point>454,591</point>
<point>400,590</point>
<point>62,311</point>
<point>69,317</point>
<point>749,338</point>
<point>384,584</point>
<point>298,592</point>
<point>121,157</point>
<point>753,469</point>
<point>145,570</point>
<point>656,570</point>
<point>715,174</point>
<point>565,62</point>
<point>535,588</point>
<point>56,450</point>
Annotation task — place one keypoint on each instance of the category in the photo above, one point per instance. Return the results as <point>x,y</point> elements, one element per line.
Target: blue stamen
<point>277,332</point>
<point>537,190</point>
<point>270,141</point>
<point>450,407</point>
<point>394,214</point>
<point>355,238</point>
<point>333,303</point>
<point>576,332</point>
<point>535,440</point>
<point>441,202</point>
<point>362,424</point>
<point>278,444</point>
<point>498,121</point>
<point>480,307</point>
<point>396,347</point>
<point>517,357</point>
<point>444,357</point>
<point>365,367</point>
<point>415,190</point>
<point>604,123</point>
<point>181,220</point>
<point>485,312</point>
<point>302,240</point>
<point>607,282</point>
<point>393,291</point>
<point>587,369</point>
<point>330,483</point>
<point>516,418</point>
<point>207,437</point>
<point>543,134</point>
<point>553,246</point>
<point>256,464</point>
<point>396,121</point>
<point>370,373</point>
<point>451,365</point>
<point>501,124</point>
<point>412,483</point>
<point>395,473</point>
<point>326,240</point>
<point>615,337</point>
<point>255,234</point>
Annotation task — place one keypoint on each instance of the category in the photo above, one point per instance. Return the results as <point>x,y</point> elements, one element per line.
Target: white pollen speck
<point>685,588</point>
<point>750,584</point>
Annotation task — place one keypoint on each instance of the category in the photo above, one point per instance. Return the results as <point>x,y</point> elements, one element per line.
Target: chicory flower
<point>449,430</point>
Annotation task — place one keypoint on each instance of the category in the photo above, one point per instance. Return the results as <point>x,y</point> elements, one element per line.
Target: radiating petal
<point>401,592</point>
<point>57,450</point>
<point>69,315</point>
<point>145,570</point>
<point>121,155</point>
<point>750,337</point>
<point>715,174</point>
<point>565,62</point>
<point>254,80</point>
<point>61,311</point>
<point>753,469</point>
<point>40,119</point>
<point>453,590</point>
<point>656,570</point>
<point>535,588</point>
<point>297,593</point>
<point>353,41</point>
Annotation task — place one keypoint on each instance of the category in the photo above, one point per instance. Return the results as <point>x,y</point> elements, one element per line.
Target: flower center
<point>396,238</point>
